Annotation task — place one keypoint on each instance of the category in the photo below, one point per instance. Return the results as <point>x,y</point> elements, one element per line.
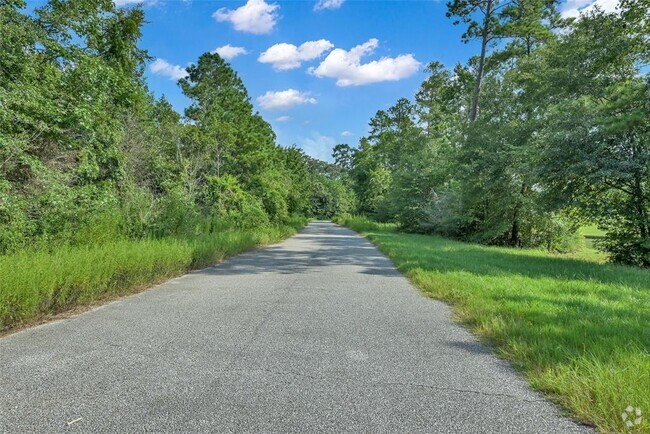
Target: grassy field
<point>34,285</point>
<point>579,330</point>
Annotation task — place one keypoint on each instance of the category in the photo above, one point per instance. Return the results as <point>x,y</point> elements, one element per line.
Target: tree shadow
<point>583,310</point>
<point>318,246</point>
<point>432,253</point>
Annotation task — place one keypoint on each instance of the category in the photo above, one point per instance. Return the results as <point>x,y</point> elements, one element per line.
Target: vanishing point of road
<point>317,334</point>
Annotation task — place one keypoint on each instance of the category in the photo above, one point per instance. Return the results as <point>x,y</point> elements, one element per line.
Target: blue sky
<point>319,93</point>
<point>311,111</point>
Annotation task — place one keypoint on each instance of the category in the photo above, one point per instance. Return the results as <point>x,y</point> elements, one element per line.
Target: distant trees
<point>543,130</point>
<point>89,155</point>
<point>331,193</point>
<point>562,136</point>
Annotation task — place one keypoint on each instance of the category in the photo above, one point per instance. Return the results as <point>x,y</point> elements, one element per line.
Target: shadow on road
<point>318,245</point>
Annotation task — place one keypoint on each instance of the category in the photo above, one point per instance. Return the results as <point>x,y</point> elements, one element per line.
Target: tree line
<point>89,155</point>
<point>545,129</point>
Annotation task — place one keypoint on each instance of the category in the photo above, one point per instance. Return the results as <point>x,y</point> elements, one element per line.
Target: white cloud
<point>328,4</point>
<point>318,146</point>
<point>120,3</point>
<point>166,69</point>
<point>573,8</point>
<point>346,133</point>
<point>284,99</point>
<point>347,69</point>
<point>256,16</point>
<point>287,56</point>
<point>283,119</point>
<point>229,52</point>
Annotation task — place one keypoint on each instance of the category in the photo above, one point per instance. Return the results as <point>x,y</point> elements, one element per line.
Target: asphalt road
<point>317,334</point>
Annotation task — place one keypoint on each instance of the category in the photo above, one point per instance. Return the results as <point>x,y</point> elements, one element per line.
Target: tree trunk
<point>485,38</point>
<point>514,231</point>
<point>640,207</point>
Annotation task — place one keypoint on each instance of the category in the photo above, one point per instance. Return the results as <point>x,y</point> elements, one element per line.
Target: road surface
<point>317,334</point>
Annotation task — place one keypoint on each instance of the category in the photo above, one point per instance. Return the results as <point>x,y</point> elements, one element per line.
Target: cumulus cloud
<point>229,52</point>
<point>283,119</point>
<point>573,8</point>
<point>284,99</point>
<point>347,69</point>
<point>328,4</point>
<point>256,16</point>
<point>287,56</point>
<point>346,133</point>
<point>166,69</point>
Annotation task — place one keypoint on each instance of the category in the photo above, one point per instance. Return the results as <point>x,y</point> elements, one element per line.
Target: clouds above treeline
<point>347,69</point>
<point>573,8</point>
<point>288,56</point>
<point>284,99</point>
<point>166,69</point>
<point>229,52</point>
<point>345,66</point>
<point>256,16</point>
<point>259,17</point>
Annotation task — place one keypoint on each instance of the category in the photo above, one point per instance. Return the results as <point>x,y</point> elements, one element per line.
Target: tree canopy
<point>546,128</point>
<point>562,137</point>
<point>88,154</point>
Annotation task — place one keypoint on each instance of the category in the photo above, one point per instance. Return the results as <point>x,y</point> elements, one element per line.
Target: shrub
<point>626,247</point>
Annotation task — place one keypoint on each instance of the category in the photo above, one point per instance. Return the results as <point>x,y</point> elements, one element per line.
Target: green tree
<point>595,148</point>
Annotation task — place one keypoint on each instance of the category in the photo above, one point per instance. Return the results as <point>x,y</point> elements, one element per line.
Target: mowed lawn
<point>578,329</point>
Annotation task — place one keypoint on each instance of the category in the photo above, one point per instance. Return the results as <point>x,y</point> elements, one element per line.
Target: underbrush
<point>578,329</point>
<point>41,283</point>
<point>363,224</point>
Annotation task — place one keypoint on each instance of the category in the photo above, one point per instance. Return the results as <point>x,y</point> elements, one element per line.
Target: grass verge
<point>36,285</point>
<point>579,330</point>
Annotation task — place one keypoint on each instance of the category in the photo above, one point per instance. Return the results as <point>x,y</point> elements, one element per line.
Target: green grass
<point>34,285</point>
<point>592,231</point>
<point>591,234</point>
<point>578,329</point>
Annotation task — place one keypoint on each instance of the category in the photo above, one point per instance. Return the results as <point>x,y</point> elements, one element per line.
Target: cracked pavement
<point>317,334</point>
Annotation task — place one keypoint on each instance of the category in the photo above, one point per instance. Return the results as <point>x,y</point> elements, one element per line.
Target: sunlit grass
<point>592,233</point>
<point>578,329</point>
<point>37,284</point>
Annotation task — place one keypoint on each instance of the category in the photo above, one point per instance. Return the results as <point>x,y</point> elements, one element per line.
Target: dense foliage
<point>548,130</point>
<point>88,155</point>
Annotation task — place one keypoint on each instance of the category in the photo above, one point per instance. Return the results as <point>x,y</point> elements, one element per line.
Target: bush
<point>626,247</point>
<point>331,197</point>
<point>176,215</point>
<point>363,224</point>
<point>14,221</point>
<point>230,203</point>
<point>555,234</point>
